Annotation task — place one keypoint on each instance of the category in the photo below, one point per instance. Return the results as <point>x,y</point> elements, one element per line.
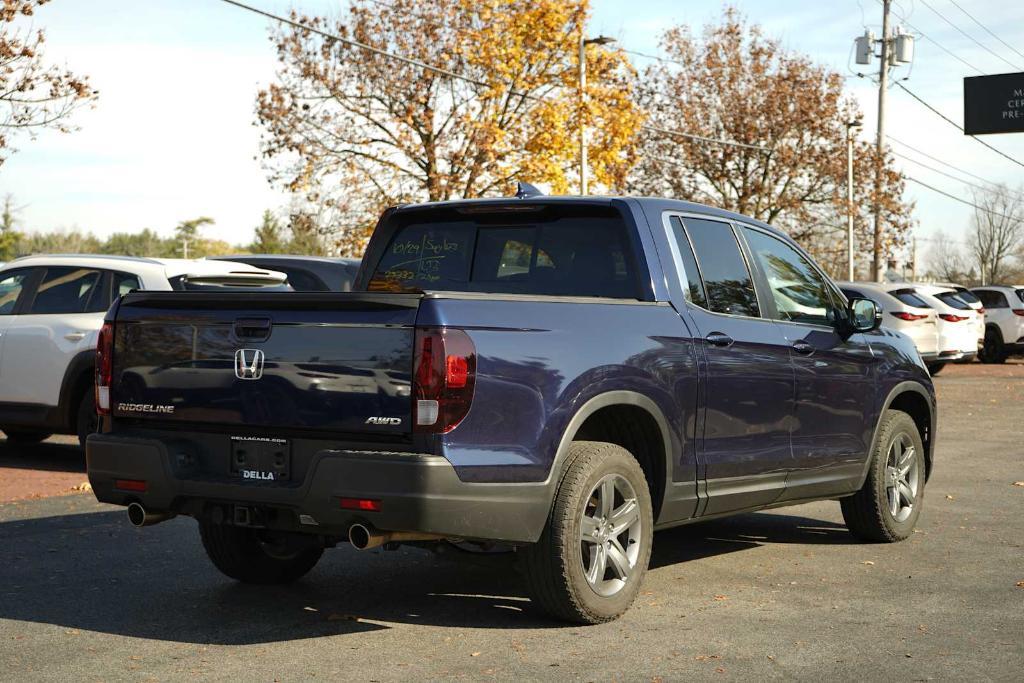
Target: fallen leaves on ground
<point>1018,483</point>
<point>83,487</point>
<point>869,563</point>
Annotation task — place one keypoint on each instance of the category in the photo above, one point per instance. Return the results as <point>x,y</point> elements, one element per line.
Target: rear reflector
<point>364,504</point>
<point>136,485</point>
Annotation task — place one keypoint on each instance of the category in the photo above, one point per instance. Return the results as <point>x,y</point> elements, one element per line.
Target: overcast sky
<point>172,135</point>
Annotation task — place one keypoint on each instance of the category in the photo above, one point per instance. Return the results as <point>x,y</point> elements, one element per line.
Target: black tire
<point>15,435</point>
<point>993,350</point>
<point>868,513</point>
<point>86,420</point>
<point>554,566</point>
<point>935,368</point>
<point>243,555</point>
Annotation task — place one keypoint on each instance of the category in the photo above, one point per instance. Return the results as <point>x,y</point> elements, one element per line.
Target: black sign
<point>994,104</point>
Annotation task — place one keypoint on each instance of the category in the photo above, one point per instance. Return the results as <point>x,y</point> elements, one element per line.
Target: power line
<point>986,29</point>
<point>962,201</point>
<point>938,44</point>
<point>968,36</point>
<point>958,126</point>
<point>454,75</point>
<point>940,161</point>
<point>951,176</point>
<point>646,55</point>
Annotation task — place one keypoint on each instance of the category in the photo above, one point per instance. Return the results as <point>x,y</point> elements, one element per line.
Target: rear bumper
<point>417,492</point>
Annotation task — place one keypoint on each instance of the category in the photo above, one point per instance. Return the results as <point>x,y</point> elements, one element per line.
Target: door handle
<point>803,348</point>
<point>75,336</point>
<point>719,339</point>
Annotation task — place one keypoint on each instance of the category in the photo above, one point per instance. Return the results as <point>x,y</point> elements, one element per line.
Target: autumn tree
<point>997,231</point>
<point>789,116</point>
<point>33,95</point>
<point>307,239</point>
<point>356,131</point>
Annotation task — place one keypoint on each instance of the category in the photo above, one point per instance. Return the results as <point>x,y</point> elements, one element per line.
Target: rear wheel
<point>254,556</point>
<point>86,421</point>
<point>888,505</point>
<point>588,564</point>
<point>935,368</point>
<point>15,435</point>
<point>993,350</point>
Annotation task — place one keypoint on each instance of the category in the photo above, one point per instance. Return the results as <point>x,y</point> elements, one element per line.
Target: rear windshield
<point>968,296</point>
<point>910,298</point>
<point>953,299</point>
<point>568,256</point>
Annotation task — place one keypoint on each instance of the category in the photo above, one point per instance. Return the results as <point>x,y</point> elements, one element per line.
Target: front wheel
<point>887,507</point>
<point>86,420</point>
<point>587,566</point>
<point>993,351</point>
<point>253,556</point>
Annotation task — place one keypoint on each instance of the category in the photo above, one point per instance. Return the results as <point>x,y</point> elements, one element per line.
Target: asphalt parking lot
<point>780,594</point>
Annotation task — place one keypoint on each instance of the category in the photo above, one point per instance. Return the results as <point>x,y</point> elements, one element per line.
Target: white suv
<point>51,308</point>
<point>1004,321</point>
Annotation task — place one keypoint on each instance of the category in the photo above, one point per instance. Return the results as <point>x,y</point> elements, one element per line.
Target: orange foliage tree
<point>736,84</point>
<point>355,131</point>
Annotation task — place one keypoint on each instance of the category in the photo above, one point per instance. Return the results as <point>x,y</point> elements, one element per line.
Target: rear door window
<point>69,290</point>
<point>585,256</point>
<point>992,299</point>
<point>727,282</point>
<point>691,273</point>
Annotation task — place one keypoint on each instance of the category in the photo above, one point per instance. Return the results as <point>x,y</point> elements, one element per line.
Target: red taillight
<point>903,315</point>
<point>136,485</point>
<point>445,373</point>
<point>104,367</point>
<point>364,504</point>
<point>950,318</point>
<point>1019,311</point>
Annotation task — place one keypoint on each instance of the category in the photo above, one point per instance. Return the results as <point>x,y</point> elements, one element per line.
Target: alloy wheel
<point>902,477</point>
<point>610,529</point>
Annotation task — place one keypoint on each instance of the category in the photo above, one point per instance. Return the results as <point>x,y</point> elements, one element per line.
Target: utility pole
<point>851,128</point>
<point>600,40</point>
<point>883,82</point>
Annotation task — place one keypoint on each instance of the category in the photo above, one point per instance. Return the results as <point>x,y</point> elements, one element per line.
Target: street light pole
<point>851,128</point>
<point>600,40</point>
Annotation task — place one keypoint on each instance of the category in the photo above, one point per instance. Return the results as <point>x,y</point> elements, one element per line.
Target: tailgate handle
<point>252,329</point>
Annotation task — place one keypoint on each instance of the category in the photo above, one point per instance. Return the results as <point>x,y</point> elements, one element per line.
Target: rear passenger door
<point>747,374</point>
<point>58,322</point>
<point>835,383</point>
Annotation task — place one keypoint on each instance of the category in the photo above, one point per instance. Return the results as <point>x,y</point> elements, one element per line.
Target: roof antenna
<point>526,190</point>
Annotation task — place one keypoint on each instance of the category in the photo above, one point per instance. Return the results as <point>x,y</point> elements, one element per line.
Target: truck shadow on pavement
<point>94,572</point>
<point>46,456</point>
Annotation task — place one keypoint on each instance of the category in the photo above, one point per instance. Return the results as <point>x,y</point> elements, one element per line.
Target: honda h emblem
<point>248,363</point>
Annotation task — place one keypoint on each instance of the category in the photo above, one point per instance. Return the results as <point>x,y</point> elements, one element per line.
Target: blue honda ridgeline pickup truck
<point>564,375</point>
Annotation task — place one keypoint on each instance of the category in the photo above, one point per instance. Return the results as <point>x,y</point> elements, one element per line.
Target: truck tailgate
<point>276,361</point>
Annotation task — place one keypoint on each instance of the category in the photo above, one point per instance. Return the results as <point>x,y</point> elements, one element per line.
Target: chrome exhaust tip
<point>139,517</point>
<point>363,537</point>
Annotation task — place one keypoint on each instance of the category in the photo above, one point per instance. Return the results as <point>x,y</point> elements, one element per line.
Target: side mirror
<point>864,315</point>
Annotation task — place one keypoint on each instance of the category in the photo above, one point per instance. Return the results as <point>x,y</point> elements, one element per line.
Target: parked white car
<point>958,338</point>
<point>959,297</point>
<point>1004,321</point>
<point>51,309</point>
<point>904,311</point>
